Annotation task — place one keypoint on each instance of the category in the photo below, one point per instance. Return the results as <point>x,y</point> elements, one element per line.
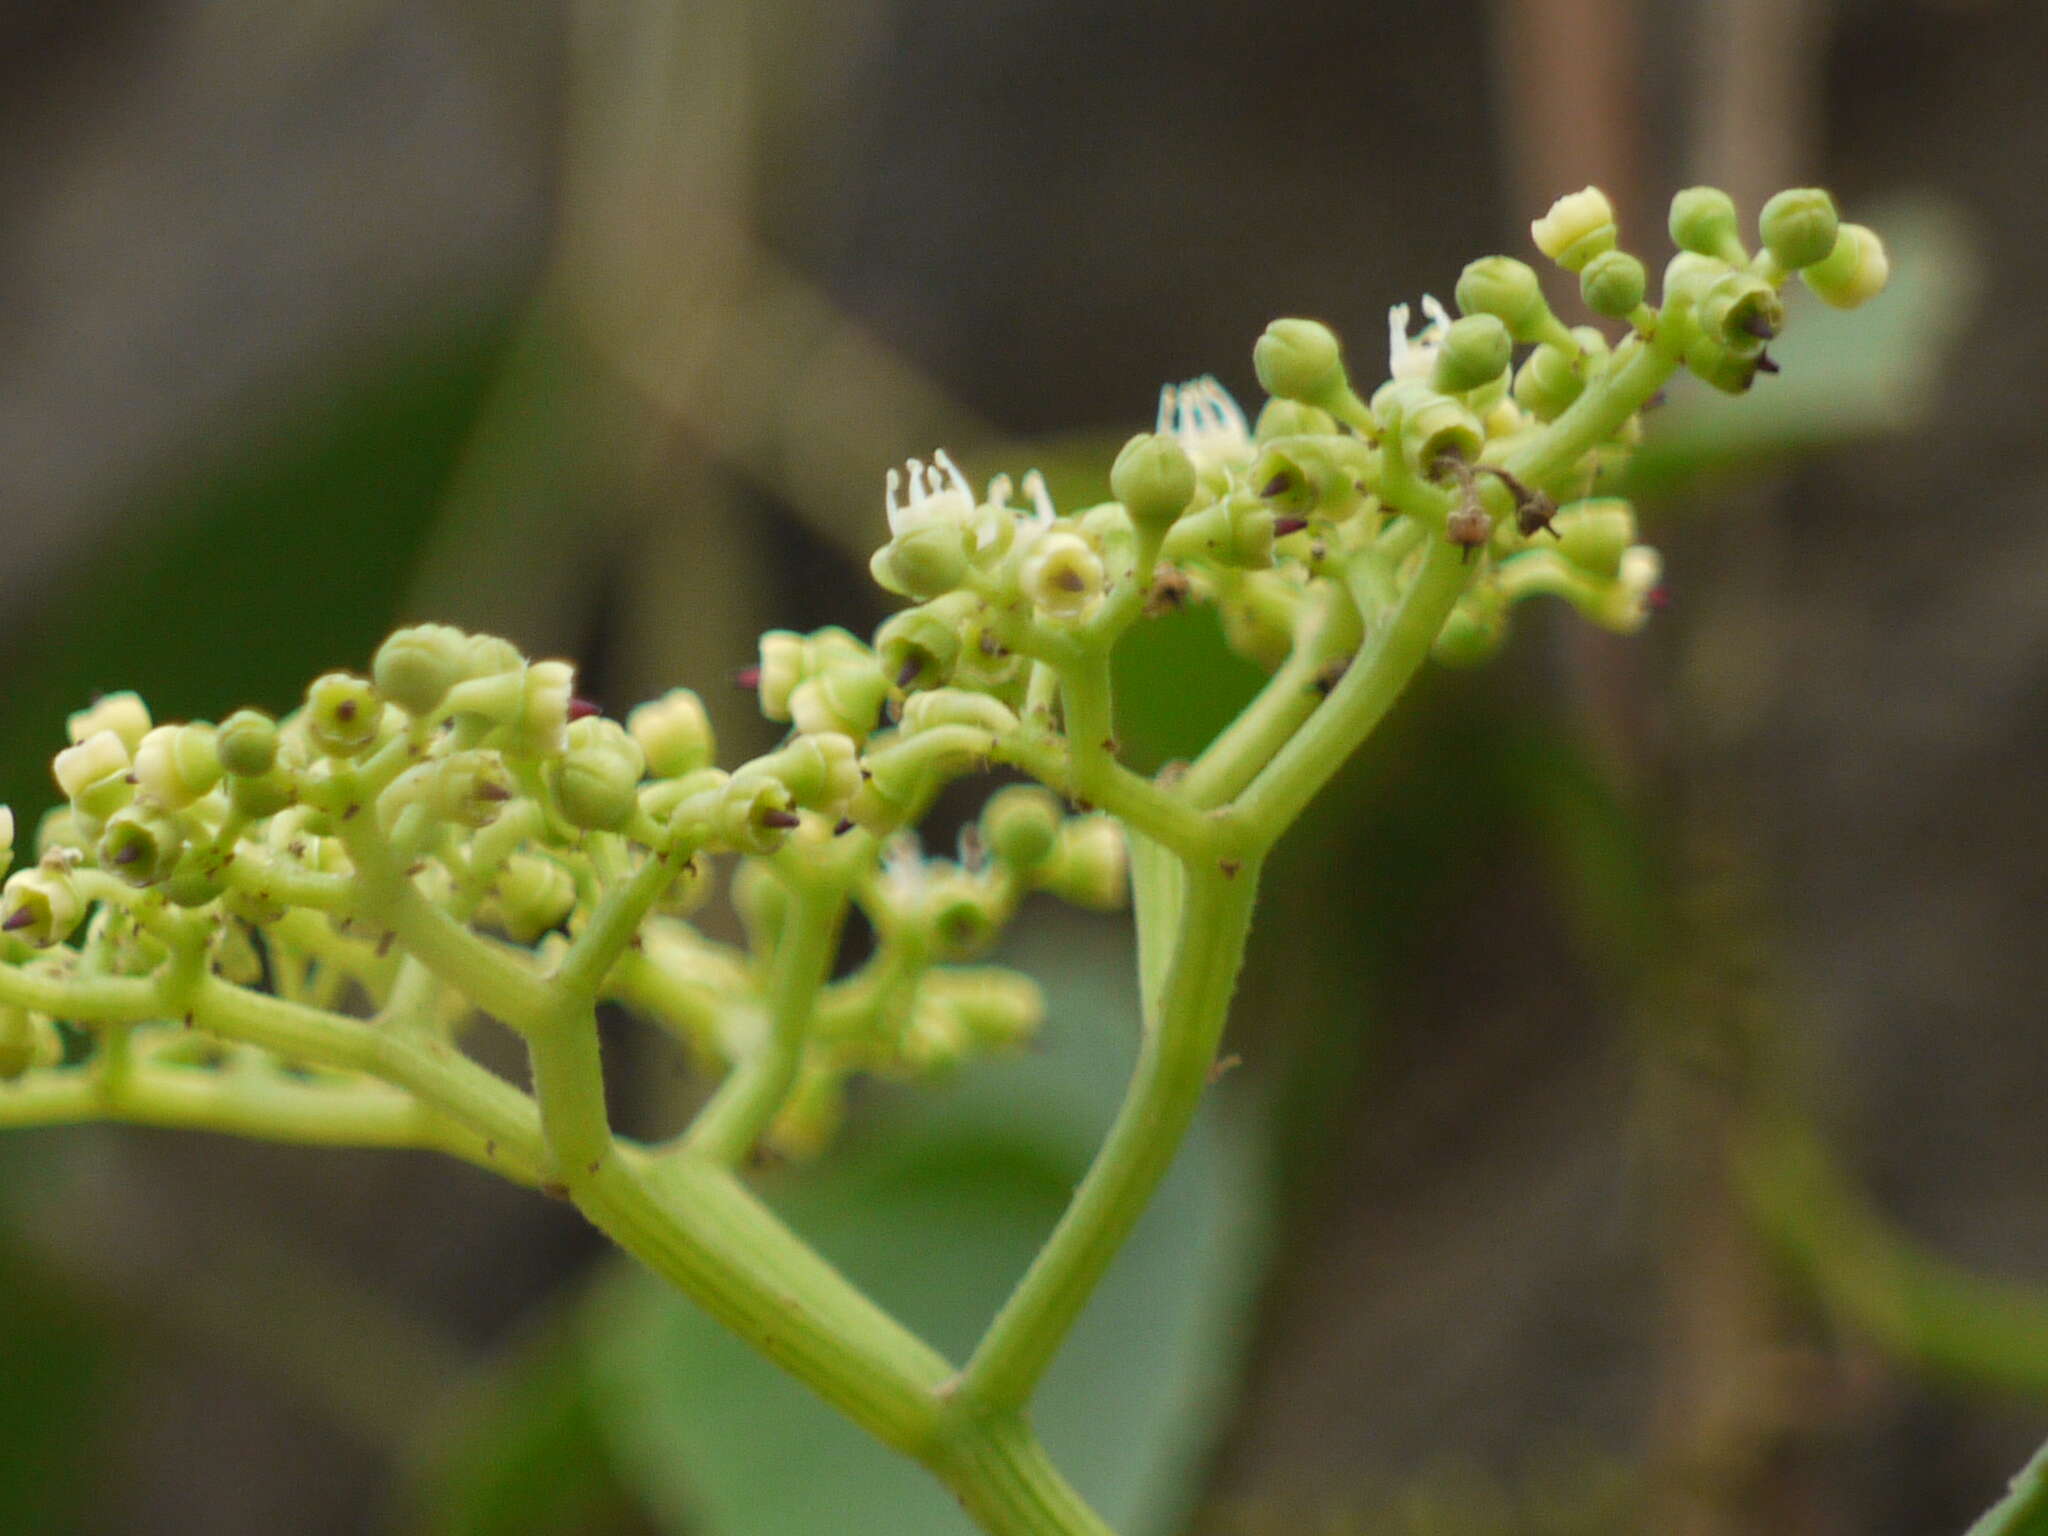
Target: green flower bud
<point>755,813</point>
<point>94,775</point>
<point>1613,284</point>
<point>247,743</point>
<point>1508,290</point>
<point>1854,272</point>
<point>139,846</point>
<point>919,647</point>
<point>256,796</point>
<point>1593,534</point>
<point>1578,227</point>
<point>62,828</point>
<point>1703,221</point>
<point>957,706</point>
<point>960,914</point>
<point>489,656</point>
<point>1741,311</point>
<point>993,1007</point>
<point>1475,629</point>
<point>844,696</point>
<point>1799,227</point>
<point>344,715</point>
<point>541,727</point>
<point>984,663</point>
<point>1062,575</point>
<point>40,905</point>
<point>1154,478</point>
<point>1548,382</point>
<point>1475,351</point>
<point>176,764</point>
<point>1728,370</point>
<point>1300,360</point>
<point>1020,825</point>
<point>531,896</point>
<point>1305,475</point>
<point>122,713</point>
<point>1436,427</point>
<point>926,561</point>
<point>6,837</point>
<point>1089,866</point>
<point>691,888</point>
<point>416,667</point>
<point>675,733</point>
<point>1235,532</point>
<point>782,668</point>
<point>1290,418</point>
<point>821,772</point>
<point>465,789</point>
<point>196,881</point>
<point>1688,276</point>
<point>597,778</point>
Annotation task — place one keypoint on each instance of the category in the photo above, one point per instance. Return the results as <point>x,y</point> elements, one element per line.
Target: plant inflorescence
<point>288,928</point>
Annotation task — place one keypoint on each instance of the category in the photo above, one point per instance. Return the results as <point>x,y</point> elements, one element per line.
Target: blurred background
<point>1639,1124</point>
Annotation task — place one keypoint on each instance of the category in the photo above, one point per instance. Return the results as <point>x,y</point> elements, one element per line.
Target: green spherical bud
<point>1090,866</point>
<point>1290,418</point>
<point>1703,221</point>
<point>675,733</point>
<point>468,789</point>
<point>1475,351</point>
<point>1595,533</point>
<point>1742,312</point>
<point>781,668</point>
<point>1799,227</point>
<point>1548,382</point>
<point>1508,290</point>
<point>923,562</point>
<point>489,656</point>
<point>1300,360</point>
<point>344,715</point>
<point>1613,284</point>
<point>122,713</point>
<point>597,778</point>
<point>247,743</point>
<point>95,775</point>
<point>196,881</point>
<point>1236,533</point>
<point>140,847</point>
<point>1154,478</point>
<point>40,906</point>
<point>532,896</point>
<point>540,727</point>
<point>1020,826</point>
<point>6,837</point>
<point>919,647</point>
<point>1854,272</point>
<point>416,667</point>
<point>176,764</point>
<point>1578,227</point>
<point>27,1041</point>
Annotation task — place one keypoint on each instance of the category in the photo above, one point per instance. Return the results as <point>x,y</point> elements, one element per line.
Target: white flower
<point>938,496</point>
<point>1204,420</point>
<point>1414,357</point>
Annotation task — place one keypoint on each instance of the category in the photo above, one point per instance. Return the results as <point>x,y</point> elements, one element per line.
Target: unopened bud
<point>1578,227</point>
<point>122,713</point>
<point>1703,221</point>
<point>1613,284</point>
<point>247,742</point>
<point>416,667</point>
<point>532,895</point>
<point>1062,575</point>
<point>140,846</point>
<point>176,764</point>
<point>1020,825</point>
<point>675,733</point>
<point>1854,272</point>
<point>1799,227</point>
<point>94,775</point>
<point>597,778</point>
<point>1089,866</point>
<point>40,906</point>
<point>1475,350</point>
<point>1593,534</point>
<point>1300,360</point>
<point>1154,478</point>
<point>1508,290</point>
<point>344,714</point>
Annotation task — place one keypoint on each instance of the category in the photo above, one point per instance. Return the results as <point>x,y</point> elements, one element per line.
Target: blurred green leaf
<point>56,1375</point>
<point>521,1451</point>
<point>936,1214</point>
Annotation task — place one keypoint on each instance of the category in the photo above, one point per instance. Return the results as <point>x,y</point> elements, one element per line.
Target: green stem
<point>1228,763</point>
<point>1174,1060</point>
<point>733,1121</point>
<point>2024,1509</point>
<point>1361,699</point>
<point>1638,371</point>
<point>1007,1483</point>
